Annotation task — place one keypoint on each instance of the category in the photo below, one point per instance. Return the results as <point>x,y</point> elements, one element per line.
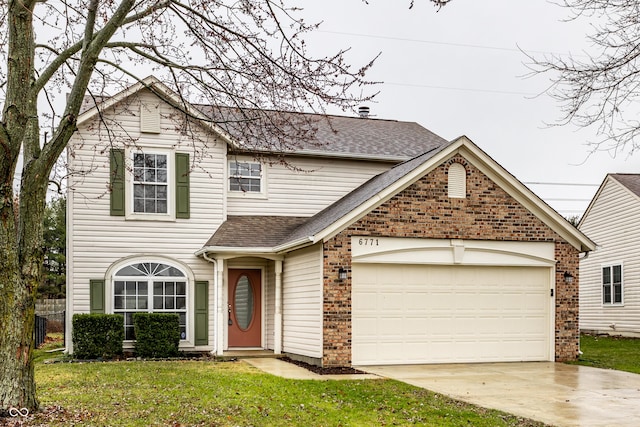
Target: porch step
<point>248,354</point>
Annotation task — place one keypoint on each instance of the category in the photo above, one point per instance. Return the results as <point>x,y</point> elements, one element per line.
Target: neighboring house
<point>610,275</point>
<point>388,245</point>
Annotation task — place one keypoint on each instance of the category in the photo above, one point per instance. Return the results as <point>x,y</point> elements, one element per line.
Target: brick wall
<point>424,210</point>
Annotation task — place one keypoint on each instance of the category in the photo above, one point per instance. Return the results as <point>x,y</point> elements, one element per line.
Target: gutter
<point>216,295</point>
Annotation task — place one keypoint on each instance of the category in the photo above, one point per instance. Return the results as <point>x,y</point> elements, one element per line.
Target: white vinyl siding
<point>302,302</point>
<point>97,240</point>
<point>612,223</point>
<point>304,192</point>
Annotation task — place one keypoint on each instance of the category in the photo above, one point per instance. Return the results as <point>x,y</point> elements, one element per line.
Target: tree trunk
<point>17,316</point>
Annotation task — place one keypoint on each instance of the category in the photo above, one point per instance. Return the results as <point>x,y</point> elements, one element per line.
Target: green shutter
<point>96,296</point>
<point>201,313</point>
<point>182,185</point>
<point>117,182</point>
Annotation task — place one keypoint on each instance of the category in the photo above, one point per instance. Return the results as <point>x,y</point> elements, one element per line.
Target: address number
<point>368,242</point>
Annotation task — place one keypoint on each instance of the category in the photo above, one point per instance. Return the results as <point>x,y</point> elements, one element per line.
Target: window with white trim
<point>612,284</point>
<point>245,176</point>
<point>150,287</point>
<point>150,183</point>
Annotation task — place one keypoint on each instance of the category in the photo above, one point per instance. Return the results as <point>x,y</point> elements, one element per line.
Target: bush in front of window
<point>97,336</point>
<point>157,334</point>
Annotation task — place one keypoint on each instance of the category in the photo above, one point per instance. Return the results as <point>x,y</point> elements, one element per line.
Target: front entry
<point>245,308</point>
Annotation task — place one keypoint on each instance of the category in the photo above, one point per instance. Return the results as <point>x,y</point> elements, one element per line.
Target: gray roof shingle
<point>254,231</point>
<point>629,180</point>
<point>328,135</point>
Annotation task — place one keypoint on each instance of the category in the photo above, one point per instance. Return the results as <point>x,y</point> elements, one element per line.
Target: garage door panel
<point>444,314</point>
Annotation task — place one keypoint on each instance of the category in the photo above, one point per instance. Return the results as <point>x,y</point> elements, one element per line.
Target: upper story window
<point>150,189</point>
<point>149,184</point>
<point>612,284</point>
<point>245,176</point>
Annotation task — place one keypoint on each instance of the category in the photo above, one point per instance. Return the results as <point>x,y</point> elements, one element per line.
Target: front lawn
<point>206,393</point>
<point>618,353</point>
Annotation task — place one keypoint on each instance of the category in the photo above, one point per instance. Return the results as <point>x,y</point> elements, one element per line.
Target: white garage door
<point>449,314</point>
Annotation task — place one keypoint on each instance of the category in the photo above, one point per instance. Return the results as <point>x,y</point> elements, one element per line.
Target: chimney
<point>363,112</point>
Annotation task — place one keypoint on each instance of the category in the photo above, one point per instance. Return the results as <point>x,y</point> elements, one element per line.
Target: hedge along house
<point>395,246</point>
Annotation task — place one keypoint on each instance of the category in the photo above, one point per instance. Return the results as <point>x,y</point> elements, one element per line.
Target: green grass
<point>206,393</point>
<point>607,352</point>
<point>50,349</point>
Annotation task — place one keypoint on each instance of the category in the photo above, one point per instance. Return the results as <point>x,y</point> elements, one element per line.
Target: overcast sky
<point>460,72</point>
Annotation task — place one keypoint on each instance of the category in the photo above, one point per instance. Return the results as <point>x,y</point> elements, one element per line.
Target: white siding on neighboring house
<point>612,223</point>
<point>96,239</point>
<point>302,302</point>
<point>304,193</point>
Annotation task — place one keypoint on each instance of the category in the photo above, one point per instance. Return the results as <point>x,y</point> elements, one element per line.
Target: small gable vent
<point>457,181</point>
<point>150,117</point>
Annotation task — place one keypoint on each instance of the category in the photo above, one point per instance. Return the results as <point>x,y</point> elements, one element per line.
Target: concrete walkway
<point>555,393</point>
<point>294,372</point>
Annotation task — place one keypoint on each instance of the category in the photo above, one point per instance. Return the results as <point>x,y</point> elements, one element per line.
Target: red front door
<point>245,308</point>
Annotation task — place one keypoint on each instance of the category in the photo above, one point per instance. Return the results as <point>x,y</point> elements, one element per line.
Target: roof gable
<point>382,187</point>
<point>629,181</point>
<point>302,133</point>
<point>98,105</point>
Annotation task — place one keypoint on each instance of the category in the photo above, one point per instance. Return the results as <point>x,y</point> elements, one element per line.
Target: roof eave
<point>334,155</point>
<point>224,252</point>
<point>295,244</point>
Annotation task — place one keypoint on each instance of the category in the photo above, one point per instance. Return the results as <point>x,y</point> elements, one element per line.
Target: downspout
<point>216,297</point>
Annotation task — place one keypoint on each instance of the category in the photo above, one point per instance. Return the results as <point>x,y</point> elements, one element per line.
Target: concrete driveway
<point>555,393</point>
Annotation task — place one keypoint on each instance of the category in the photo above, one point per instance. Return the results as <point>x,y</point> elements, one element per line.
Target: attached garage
<point>442,301</point>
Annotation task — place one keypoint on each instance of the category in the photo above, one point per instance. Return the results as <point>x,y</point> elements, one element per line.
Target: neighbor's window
<point>612,284</point>
<point>150,287</point>
<point>150,189</point>
<point>245,176</point>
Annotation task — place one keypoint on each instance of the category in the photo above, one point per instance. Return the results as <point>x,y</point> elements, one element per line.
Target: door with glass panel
<point>245,308</point>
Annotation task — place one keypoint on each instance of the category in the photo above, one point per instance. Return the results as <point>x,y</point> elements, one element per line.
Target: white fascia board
<point>296,244</point>
<point>226,252</point>
<point>595,197</point>
<point>491,169</point>
<point>526,197</point>
<point>349,156</point>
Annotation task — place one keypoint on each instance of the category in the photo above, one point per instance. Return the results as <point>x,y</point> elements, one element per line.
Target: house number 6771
<point>368,242</point>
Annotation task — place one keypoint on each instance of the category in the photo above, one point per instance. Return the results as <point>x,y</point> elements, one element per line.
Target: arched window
<point>150,287</point>
<point>457,181</point>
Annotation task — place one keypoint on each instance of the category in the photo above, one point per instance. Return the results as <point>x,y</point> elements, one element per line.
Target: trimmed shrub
<point>97,335</point>
<point>157,334</point>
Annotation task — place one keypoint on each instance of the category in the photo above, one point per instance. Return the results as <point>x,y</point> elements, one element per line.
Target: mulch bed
<point>324,371</point>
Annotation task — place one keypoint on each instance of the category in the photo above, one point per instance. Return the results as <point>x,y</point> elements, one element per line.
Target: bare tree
<point>246,54</point>
<point>600,88</point>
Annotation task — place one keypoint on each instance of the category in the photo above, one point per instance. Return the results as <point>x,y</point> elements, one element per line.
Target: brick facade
<point>424,210</point>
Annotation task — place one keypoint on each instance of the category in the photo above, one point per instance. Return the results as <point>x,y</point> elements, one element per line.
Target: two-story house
<point>380,242</point>
<point>609,291</point>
